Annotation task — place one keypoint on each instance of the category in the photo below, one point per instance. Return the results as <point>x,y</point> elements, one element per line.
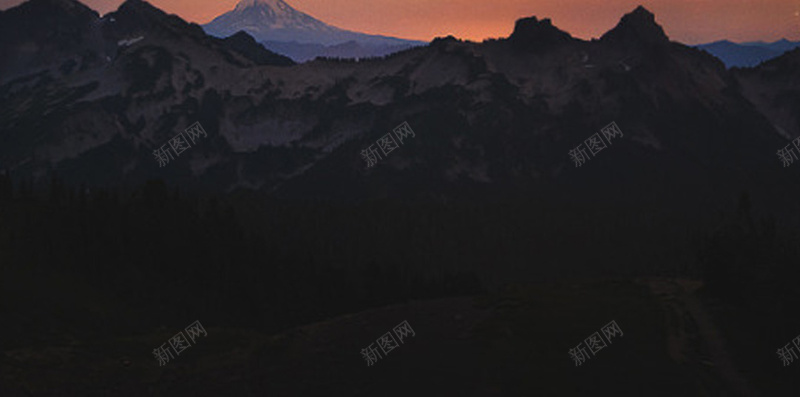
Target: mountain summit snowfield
<point>275,23</point>
<point>271,20</point>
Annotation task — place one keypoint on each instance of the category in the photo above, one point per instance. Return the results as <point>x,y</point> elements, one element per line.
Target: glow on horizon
<point>687,21</point>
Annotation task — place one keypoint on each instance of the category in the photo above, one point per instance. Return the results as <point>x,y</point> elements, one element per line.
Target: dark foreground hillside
<point>290,292</point>
<point>511,343</point>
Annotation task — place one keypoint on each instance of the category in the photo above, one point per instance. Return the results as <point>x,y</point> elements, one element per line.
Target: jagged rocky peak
<point>138,17</point>
<point>139,4</point>
<point>69,7</point>
<point>145,13</point>
<point>638,26</point>
<point>533,33</point>
<point>138,7</point>
<point>65,4</point>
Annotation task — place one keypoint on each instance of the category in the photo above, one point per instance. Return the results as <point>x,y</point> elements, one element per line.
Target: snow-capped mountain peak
<point>276,20</point>
<point>279,6</point>
<point>269,20</point>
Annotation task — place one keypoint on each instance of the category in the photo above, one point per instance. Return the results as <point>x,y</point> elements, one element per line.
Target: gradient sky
<point>687,21</point>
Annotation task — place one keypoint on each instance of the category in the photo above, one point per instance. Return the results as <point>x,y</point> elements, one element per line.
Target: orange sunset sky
<point>687,21</point>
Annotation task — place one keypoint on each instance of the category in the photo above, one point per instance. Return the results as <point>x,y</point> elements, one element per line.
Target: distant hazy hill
<point>747,54</point>
<point>300,36</point>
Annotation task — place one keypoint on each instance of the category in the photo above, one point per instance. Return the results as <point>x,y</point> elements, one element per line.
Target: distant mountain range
<point>747,54</point>
<point>300,36</point>
<point>91,98</point>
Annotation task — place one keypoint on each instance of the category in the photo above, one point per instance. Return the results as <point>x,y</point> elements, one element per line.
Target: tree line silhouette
<point>161,257</point>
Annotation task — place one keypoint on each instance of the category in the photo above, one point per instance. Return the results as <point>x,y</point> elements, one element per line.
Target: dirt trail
<point>693,338</point>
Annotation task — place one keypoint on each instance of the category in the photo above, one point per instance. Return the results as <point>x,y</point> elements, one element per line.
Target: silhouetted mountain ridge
<point>637,27</point>
<point>532,33</point>
<point>488,117</point>
<point>247,45</point>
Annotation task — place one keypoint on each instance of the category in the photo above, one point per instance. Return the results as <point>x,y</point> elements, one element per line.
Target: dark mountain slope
<point>139,65</point>
<point>247,46</point>
<point>506,113</point>
<point>774,88</point>
<point>46,32</point>
<point>497,117</point>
